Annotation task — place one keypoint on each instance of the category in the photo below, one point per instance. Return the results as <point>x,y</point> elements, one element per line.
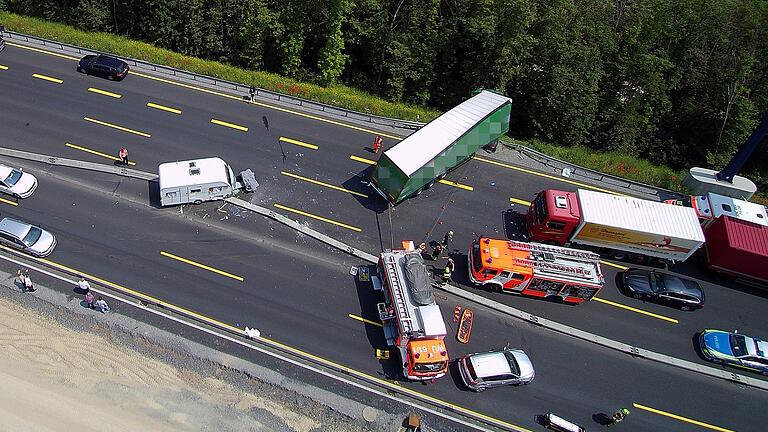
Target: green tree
<point>332,59</point>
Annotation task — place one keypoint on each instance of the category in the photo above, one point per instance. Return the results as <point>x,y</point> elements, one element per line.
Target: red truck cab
<point>552,217</point>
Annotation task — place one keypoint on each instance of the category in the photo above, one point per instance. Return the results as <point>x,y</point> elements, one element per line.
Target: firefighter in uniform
<point>423,248</point>
<point>448,270</point>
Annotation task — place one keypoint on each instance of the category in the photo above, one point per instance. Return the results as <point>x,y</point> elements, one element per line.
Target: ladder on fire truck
<point>557,250</point>
<point>556,268</point>
<point>397,293</point>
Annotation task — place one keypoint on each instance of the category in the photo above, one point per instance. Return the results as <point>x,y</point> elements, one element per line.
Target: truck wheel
<point>417,193</point>
<point>619,256</point>
<point>197,202</point>
<point>429,185</point>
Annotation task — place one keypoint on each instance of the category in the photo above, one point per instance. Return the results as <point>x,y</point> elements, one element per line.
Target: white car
<point>16,182</point>
<point>27,237</point>
<point>480,371</point>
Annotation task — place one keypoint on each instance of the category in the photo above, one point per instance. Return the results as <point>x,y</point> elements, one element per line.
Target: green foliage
<point>332,60</point>
<point>677,82</point>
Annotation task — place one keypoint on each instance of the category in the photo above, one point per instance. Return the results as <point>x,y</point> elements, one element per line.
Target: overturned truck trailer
<point>425,156</point>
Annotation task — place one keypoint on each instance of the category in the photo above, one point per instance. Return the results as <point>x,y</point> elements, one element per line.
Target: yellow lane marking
<point>323,184</point>
<point>164,108</point>
<point>8,201</point>
<point>618,266</point>
<point>363,160</point>
<point>640,311</point>
<point>104,92</point>
<point>202,266</point>
<point>98,153</point>
<point>42,51</point>
<point>47,78</point>
<point>229,96</point>
<point>231,125</point>
<point>276,108</point>
<point>455,184</point>
<point>303,144</point>
<point>141,296</point>
<point>359,318</point>
<point>317,217</point>
<point>399,388</point>
<point>493,162</point>
<point>3,67</point>
<point>289,348</point>
<point>103,123</point>
<point>681,418</point>
<point>519,201</point>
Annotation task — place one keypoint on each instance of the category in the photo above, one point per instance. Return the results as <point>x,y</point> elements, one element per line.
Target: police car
<point>734,349</point>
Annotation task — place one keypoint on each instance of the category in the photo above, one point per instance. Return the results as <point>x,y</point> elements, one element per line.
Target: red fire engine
<point>536,269</point>
<point>411,318</point>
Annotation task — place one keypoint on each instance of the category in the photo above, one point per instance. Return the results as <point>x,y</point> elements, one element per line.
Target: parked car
<point>480,371</point>
<point>663,288</point>
<point>27,237</point>
<point>103,65</point>
<point>734,349</point>
<point>16,182</point>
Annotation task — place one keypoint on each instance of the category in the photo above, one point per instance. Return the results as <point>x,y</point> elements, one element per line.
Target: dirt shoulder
<point>90,376</point>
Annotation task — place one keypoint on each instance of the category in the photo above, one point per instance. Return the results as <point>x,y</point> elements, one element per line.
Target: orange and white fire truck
<point>536,269</point>
<point>410,316</point>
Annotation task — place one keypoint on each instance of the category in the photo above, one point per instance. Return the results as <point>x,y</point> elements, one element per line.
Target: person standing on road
<point>102,305</point>
<point>252,93</point>
<point>438,250</point>
<point>447,238</point>
<point>377,142</point>
<point>449,267</point>
<point>124,155</point>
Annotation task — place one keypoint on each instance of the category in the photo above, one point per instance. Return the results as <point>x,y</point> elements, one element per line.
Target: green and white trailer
<point>425,156</point>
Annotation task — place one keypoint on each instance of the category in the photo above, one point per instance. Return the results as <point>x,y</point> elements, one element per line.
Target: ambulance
<point>535,269</point>
<point>411,318</point>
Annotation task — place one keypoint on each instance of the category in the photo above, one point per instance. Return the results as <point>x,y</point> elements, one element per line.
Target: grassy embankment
<point>616,164</point>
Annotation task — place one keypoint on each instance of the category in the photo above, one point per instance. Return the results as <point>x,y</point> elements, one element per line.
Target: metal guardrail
<point>356,115</point>
<point>618,182</point>
<point>227,85</point>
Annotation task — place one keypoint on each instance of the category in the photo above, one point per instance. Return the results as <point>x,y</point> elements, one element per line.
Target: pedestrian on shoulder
<point>83,284</point>
<point>377,142</point>
<point>102,305</point>
<point>89,300</point>
<point>28,283</point>
<point>124,155</point>
<point>252,93</point>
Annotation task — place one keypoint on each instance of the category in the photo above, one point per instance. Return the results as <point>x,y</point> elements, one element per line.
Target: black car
<point>102,65</point>
<point>663,288</point>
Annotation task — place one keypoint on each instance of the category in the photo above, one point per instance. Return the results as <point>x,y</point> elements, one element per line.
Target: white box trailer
<point>636,225</point>
<point>195,181</point>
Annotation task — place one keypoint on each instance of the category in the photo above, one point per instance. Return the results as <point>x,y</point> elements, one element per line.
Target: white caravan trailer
<point>195,181</point>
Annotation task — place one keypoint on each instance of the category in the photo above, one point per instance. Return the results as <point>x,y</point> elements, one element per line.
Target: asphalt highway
<point>298,291</point>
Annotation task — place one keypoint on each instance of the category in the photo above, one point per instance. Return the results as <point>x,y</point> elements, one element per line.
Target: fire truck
<point>410,316</point>
<point>536,269</point>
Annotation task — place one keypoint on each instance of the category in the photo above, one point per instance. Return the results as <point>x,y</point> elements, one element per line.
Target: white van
<point>195,181</point>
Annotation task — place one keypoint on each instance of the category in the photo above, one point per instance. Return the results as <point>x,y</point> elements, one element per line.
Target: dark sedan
<point>663,288</point>
<point>102,65</point>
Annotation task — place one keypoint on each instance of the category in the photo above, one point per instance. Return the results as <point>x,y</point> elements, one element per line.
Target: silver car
<point>480,371</point>
<point>16,182</point>
<point>26,237</point>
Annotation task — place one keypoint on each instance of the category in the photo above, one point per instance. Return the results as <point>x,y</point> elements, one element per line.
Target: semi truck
<point>535,269</point>
<point>738,247</point>
<point>621,227</point>
<point>411,319</point>
<point>427,155</point>
<point>711,206</point>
